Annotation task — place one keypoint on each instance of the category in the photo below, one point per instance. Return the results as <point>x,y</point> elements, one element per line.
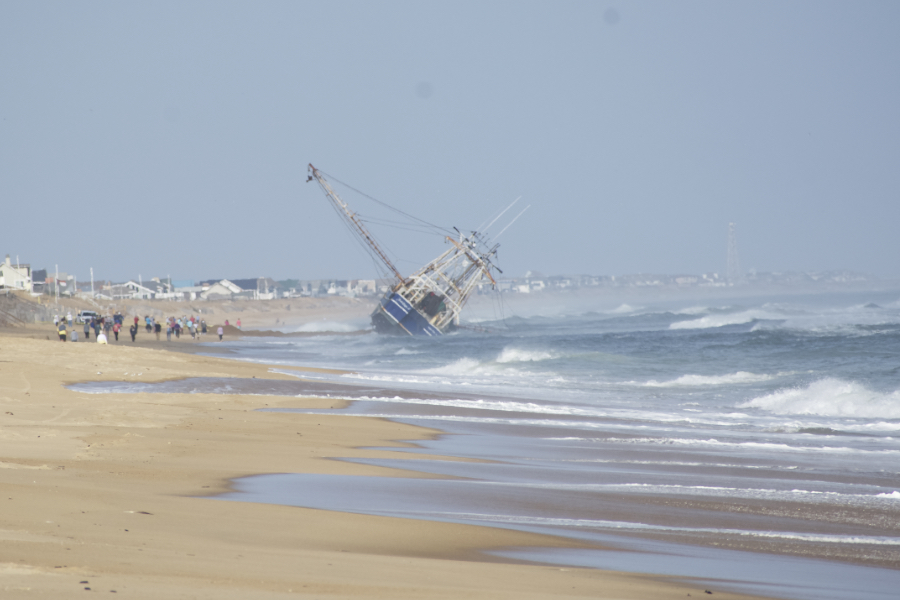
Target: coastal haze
<point>173,139</point>
<point>683,382</point>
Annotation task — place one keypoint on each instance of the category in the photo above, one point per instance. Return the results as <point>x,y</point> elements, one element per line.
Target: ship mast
<point>352,220</point>
<point>429,301</point>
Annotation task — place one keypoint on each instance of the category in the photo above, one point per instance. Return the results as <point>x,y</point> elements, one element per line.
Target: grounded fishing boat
<point>429,301</point>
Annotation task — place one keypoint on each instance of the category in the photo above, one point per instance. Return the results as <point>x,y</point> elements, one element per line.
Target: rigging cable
<point>381,268</point>
<point>388,206</point>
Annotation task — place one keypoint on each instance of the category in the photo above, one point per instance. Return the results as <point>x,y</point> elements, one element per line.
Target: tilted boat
<point>429,301</point>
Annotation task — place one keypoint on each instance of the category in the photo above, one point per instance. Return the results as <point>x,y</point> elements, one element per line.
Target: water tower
<point>735,276</point>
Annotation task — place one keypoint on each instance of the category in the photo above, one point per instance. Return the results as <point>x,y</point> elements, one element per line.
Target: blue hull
<point>396,315</point>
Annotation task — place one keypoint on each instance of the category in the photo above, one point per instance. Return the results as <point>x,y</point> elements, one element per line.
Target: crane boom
<point>429,301</point>
<point>352,220</point>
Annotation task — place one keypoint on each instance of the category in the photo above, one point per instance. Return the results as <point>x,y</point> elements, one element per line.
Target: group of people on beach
<point>104,326</point>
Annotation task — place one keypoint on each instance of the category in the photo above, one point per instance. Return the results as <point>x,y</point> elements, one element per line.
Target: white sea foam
<point>622,309</point>
<point>720,320</point>
<point>698,380</point>
<point>625,525</point>
<point>814,496</point>
<point>405,351</point>
<point>504,362</point>
<point>830,397</point>
<point>508,355</point>
<point>557,423</point>
<point>667,463</point>
<point>463,366</point>
<point>766,446</point>
<point>490,405</point>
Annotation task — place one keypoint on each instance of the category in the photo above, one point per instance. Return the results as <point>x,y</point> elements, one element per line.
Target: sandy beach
<point>111,492</point>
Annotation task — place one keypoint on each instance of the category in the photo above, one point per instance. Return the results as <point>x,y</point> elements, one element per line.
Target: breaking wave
<point>463,366</point>
<point>721,320</point>
<point>830,397</point>
<point>508,355</point>
<point>622,310</point>
<point>507,358</point>
<point>698,380</point>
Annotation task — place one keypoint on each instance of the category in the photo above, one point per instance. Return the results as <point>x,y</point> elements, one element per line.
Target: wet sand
<point>106,491</point>
<point>695,520</point>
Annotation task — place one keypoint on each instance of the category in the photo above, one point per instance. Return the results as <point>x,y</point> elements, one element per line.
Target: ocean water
<point>749,442</point>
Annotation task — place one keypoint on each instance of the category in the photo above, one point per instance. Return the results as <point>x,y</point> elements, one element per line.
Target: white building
<point>221,289</point>
<point>131,289</point>
<point>16,277</point>
<point>191,292</point>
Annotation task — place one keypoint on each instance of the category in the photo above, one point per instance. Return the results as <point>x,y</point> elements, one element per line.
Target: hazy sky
<point>172,138</point>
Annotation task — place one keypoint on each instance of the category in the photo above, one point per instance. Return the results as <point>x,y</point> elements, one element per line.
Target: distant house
<point>220,290</point>
<point>362,287</point>
<point>261,288</point>
<point>150,290</point>
<point>138,291</point>
<point>39,281</point>
<point>190,292</point>
<point>15,277</point>
<point>161,290</point>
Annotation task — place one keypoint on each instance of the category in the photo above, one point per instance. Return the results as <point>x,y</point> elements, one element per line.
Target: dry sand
<point>106,491</point>
<point>286,314</point>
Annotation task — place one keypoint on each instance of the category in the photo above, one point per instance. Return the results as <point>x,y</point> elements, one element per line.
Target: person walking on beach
<point>221,332</point>
<point>101,337</point>
<point>116,327</point>
<point>61,329</point>
<point>134,330</point>
<point>157,327</point>
<point>69,318</point>
<point>239,323</point>
<point>87,330</point>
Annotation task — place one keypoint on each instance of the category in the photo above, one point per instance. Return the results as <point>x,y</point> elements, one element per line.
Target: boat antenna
<point>481,228</point>
<point>511,222</point>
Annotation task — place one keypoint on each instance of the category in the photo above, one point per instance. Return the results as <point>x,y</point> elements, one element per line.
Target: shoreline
<point>108,489</point>
<point>638,509</point>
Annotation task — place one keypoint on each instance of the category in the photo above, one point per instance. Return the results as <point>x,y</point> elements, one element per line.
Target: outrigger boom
<point>429,301</point>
